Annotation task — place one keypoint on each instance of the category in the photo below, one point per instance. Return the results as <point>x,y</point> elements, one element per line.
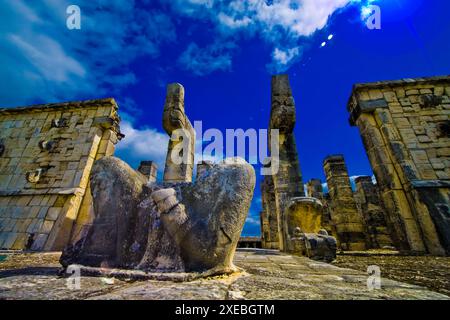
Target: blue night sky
<point>224,53</point>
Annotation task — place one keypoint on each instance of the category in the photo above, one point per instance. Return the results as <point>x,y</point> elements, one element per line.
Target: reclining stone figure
<point>173,226</point>
<point>165,227</point>
<point>317,246</point>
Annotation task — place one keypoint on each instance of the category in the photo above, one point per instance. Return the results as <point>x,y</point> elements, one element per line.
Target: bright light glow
<point>366,12</point>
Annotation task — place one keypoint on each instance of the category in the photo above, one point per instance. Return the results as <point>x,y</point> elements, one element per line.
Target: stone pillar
<point>265,236</point>
<point>370,207</point>
<point>182,142</point>
<point>287,181</point>
<point>314,188</point>
<point>344,213</point>
<point>269,215</point>
<point>149,169</point>
<point>404,126</point>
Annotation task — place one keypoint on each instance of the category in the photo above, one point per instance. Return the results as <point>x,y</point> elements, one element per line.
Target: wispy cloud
<point>41,60</point>
<point>203,61</point>
<point>44,61</point>
<point>142,144</point>
<point>282,59</point>
<point>283,24</point>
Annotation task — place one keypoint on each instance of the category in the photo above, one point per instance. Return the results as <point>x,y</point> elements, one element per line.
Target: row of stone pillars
<point>285,206</point>
<point>405,129</point>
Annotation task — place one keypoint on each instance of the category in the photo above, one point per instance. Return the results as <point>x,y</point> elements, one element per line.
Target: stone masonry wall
<point>350,231</point>
<point>269,219</point>
<point>405,128</point>
<point>46,155</point>
<point>370,206</point>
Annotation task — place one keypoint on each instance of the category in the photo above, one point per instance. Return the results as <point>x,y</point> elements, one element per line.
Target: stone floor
<point>427,271</point>
<point>268,275</point>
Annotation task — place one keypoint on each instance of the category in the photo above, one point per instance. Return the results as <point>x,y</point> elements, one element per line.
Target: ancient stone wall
<point>269,219</point>
<point>350,231</point>
<point>370,206</point>
<point>46,158</point>
<point>405,129</point>
<point>149,169</point>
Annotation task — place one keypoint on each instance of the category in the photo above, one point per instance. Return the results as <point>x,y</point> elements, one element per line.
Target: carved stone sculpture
<point>165,227</point>
<point>182,134</point>
<point>287,181</point>
<point>317,246</point>
<point>173,226</point>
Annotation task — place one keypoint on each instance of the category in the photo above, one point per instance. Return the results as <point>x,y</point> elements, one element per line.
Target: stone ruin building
<point>171,226</point>
<point>347,221</point>
<point>405,127</point>
<point>46,156</point>
<point>61,188</point>
<point>289,219</point>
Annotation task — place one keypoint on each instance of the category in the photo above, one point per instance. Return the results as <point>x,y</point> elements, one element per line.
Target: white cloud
<point>203,61</point>
<point>285,57</point>
<point>297,17</point>
<point>43,61</point>
<point>282,23</point>
<point>253,220</point>
<point>48,58</point>
<point>231,22</point>
<point>142,144</point>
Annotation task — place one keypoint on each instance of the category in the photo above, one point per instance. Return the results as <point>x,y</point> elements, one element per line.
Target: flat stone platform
<point>268,275</point>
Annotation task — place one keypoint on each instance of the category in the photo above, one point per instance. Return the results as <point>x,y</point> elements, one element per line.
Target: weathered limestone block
<point>344,213</point>
<point>182,134</point>
<point>371,208</point>
<point>317,246</point>
<point>48,158</point>
<point>264,228</point>
<point>306,213</point>
<point>269,218</point>
<point>149,169</point>
<point>165,227</point>
<point>410,162</point>
<point>314,189</point>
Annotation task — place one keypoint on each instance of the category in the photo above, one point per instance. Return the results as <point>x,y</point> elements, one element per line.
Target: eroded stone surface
<point>182,136</point>
<point>404,127</point>
<point>168,226</point>
<point>350,232</point>
<point>286,176</point>
<point>269,275</point>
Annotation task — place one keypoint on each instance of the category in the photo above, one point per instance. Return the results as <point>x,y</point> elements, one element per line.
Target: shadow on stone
<point>31,271</point>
